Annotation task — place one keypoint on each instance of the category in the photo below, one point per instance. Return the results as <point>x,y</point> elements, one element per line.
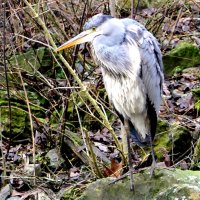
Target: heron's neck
<point>117,59</point>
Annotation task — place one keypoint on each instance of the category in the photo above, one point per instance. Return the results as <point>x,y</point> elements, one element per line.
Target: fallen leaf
<point>114,170</point>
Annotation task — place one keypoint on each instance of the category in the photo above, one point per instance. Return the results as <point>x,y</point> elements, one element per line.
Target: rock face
<point>167,184</point>
<point>184,55</point>
<point>55,158</point>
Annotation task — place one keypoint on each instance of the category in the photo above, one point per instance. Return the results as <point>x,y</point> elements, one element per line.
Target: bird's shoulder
<point>136,32</point>
<point>147,44</point>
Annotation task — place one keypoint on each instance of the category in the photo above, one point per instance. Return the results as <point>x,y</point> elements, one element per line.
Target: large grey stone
<point>167,184</point>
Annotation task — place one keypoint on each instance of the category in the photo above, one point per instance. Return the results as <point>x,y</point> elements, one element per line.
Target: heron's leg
<point>153,165</point>
<point>127,130</point>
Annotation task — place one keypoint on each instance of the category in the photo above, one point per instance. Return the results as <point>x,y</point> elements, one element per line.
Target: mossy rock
<point>20,125</point>
<point>171,137</point>
<point>162,139</point>
<point>165,185</point>
<point>32,60</point>
<point>184,55</point>
<point>180,138</point>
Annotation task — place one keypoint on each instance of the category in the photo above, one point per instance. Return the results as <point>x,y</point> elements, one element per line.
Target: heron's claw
<point>131,180</point>
<point>152,169</point>
<point>153,165</point>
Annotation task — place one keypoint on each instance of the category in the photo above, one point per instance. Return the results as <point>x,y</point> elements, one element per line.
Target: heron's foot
<point>153,165</point>
<point>120,178</point>
<point>130,174</point>
<point>152,169</point>
<point>131,179</point>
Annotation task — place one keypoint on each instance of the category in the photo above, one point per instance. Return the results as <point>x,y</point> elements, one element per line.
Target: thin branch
<point>133,9</point>
<point>176,22</point>
<point>6,78</point>
<point>112,8</point>
<point>32,40</point>
<point>31,121</point>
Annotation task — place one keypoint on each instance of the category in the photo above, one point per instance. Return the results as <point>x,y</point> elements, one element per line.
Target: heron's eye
<point>93,29</point>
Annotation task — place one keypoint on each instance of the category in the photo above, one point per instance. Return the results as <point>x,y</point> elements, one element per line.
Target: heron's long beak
<point>83,37</point>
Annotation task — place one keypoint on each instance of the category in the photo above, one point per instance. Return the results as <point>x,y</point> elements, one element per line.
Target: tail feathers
<point>152,117</point>
<point>137,138</point>
<point>135,134</point>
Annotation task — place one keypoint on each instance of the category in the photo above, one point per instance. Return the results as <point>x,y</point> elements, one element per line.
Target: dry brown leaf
<point>114,170</point>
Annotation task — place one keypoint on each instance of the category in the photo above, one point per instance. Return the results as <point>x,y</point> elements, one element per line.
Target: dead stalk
<point>112,8</point>
<point>31,122</point>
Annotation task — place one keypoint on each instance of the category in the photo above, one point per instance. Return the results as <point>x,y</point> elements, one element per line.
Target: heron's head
<point>97,26</point>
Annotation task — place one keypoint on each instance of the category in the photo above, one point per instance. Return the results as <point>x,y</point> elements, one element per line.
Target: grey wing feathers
<point>151,60</point>
<point>151,64</point>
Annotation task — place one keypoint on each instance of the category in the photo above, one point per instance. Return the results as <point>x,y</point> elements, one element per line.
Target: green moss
<point>18,122</point>
<point>162,126</point>
<point>197,106</point>
<point>162,140</point>
<point>196,93</point>
<point>72,193</point>
<point>180,138</point>
<point>177,70</point>
<point>183,56</point>
<point>177,131</point>
<point>171,136</point>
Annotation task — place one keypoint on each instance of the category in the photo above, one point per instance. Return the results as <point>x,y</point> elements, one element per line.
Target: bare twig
<point>89,148</point>
<point>112,8</point>
<point>31,120</point>
<point>6,78</point>
<point>177,19</point>
<point>132,9</point>
<point>32,40</point>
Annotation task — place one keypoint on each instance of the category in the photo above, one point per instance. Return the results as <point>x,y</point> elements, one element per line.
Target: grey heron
<point>132,70</point>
